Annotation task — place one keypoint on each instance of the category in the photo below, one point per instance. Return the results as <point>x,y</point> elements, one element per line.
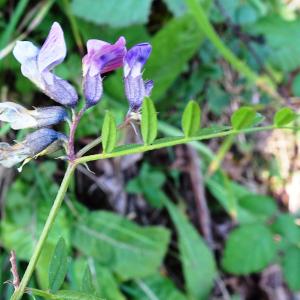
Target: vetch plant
<point>37,64</point>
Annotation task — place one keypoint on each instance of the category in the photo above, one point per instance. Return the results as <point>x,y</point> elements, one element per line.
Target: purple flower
<point>101,58</point>
<point>19,117</point>
<point>136,89</point>
<point>37,64</point>
<point>41,142</point>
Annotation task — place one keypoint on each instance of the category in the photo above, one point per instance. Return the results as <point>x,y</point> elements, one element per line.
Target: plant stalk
<point>18,293</point>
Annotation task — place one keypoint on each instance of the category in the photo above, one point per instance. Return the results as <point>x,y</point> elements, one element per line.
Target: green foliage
<point>149,122</point>
<point>58,266</point>
<point>285,226</point>
<point>197,259</point>
<point>156,287</point>
<point>173,46</point>
<point>191,119</point>
<point>282,38</point>
<point>114,12</point>
<point>291,268</point>
<point>122,246</point>
<point>242,118</point>
<point>248,249</point>
<point>149,180</point>
<point>74,295</point>
<point>262,207</point>
<point>284,116</point>
<point>109,133</point>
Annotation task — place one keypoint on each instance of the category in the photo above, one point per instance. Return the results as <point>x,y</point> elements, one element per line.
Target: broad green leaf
<point>260,206</point>
<point>284,116</point>
<point>74,295</point>
<point>114,12</point>
<point>156,287</point>
<point>291,268</point>
<point>177,7</point>
<point>243,117</point>
<point>198,263</point>
<point>191,119</point>
<point>149,122</point>
<point>58,266</point>
<point>249,248</point>
<point>109,133</point>
<point>129,250</point>
<point>285,226</point>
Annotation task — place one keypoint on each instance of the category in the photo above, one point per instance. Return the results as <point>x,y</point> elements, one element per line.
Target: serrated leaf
<point>197,259</point>
<point>74,295</point>
<point>58,266</point>
<point>109,133</point>
<point>284,116</point>
<point>248,249</point>
<point>191,119</point>
<point>129,250</point>
<point>149,122</point>
<point>291,268</point>
<point>243,118</point>
<point>114,12</point>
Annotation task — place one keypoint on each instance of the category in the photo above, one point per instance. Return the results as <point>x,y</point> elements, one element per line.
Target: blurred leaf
<point>197,259</point>
<point>285,226</point>
<point>177,7</point>
<point>74,295</point>
<point>58,266</point>
<point>149,122</point>
<point>109,133</point>
<point>156,287</point>
<point>242,118</point>
<point>284,116</point>
<point>146,182</point>
<point>114,13</point>
<point>279,32</point>
<point>100,282</point>
<point>191,119</point>
<point>296,86</point>
<point>291,268</point>
<point>217,98</point>
<point>260,206</point>
<point>248,249</point>
<point>173,46</point>
<point>119,244</point>
<point>87,282</point>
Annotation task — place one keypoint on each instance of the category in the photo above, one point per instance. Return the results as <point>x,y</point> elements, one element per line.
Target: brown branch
<point>14,270</point>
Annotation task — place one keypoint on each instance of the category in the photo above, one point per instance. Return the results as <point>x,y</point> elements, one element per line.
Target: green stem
<point>216,162</point>
<point>17,295</point>
<point>89,146</point>
<point>162,143</point>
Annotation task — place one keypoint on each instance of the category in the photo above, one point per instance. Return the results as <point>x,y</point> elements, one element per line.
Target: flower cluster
<point>37,64</point>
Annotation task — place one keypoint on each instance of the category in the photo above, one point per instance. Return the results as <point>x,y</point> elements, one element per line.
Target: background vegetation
<point>216,220</point>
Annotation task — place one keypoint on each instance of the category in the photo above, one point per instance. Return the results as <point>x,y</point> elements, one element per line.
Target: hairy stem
<point>162,143</point>
<point>17,295</point>
<point>74,124</point>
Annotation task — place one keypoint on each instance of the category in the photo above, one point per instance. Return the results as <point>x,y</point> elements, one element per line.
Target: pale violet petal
<point>17,115</point>
<point>24,51</point>
<point>54,50</point>
<point>59,90</point>
<point>12,155</point>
